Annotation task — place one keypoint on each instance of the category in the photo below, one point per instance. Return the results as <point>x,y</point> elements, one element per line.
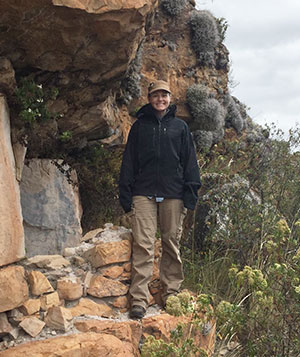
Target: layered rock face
<point>73,35</point>
<point>11,229</point>
<point>84,48</point>
<point>167,55</point>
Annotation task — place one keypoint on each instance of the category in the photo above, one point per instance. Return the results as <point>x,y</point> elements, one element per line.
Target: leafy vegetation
<point>98,169</point>
<point>248,260</point>
<point>32,101</point>
<point>182,342</point>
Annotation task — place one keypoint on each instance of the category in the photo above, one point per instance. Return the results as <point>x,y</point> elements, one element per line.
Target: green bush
<point>182,342</point>
<point>172,7</point>
<point>32,102</point>
<point>204,36</point>
<point>98,168</point>
<point>249,260</point>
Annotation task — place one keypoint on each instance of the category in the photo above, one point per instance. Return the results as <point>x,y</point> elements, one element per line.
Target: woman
<point>159,180</point>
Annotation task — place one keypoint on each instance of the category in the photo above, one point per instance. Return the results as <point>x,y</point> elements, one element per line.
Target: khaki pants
<point>144,226</point>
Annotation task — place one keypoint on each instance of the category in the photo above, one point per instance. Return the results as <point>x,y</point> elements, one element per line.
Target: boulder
<point>32,325</point>
<point>162,325</point>
<point>38,283</point>
<point>11,228</point>
<point>51,208</point>
<point>109,253</point>
<point>121,302</point>
<point>127,331</point>
<point>113,272</point>
<point>31,306</point>
<point>13,287</point>
<point>69,288</point>
<point>49,300</point>
<point>103,287</point>
<point>81,344</point>
<point>89,307</point>
<point>59,318</point>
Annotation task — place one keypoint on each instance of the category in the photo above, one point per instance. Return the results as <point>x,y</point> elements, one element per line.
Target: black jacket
<point>159,160</point>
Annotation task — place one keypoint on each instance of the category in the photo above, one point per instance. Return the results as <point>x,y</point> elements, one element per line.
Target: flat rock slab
<point>83,344</point>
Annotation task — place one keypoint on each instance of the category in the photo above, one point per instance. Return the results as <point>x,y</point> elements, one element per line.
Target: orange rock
<point>59,318</point>
<point>103,287</point>
<point>69,288</point>
<point>89,307</point>
<point>11,228</point>
<point>49,300</point>
<point>128,331</point>
<point>32,326</point>
<point>13,287</point>
<point>120,302</point>
<point>82,344</point>
<point>39,284</point>
<point>109,253</point>
<point>113,272</point>
<point>31,306</point>
<point>161,326</point>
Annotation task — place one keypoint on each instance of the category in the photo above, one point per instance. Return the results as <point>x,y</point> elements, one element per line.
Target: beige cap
<point>158,85</point>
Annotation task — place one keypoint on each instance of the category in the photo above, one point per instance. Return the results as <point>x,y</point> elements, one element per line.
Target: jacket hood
<point>147,111</point>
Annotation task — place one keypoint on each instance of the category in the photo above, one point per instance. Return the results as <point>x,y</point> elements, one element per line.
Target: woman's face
<point>160,100</point>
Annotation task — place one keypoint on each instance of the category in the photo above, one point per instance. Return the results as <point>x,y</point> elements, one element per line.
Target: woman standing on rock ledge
<point>159,180</point>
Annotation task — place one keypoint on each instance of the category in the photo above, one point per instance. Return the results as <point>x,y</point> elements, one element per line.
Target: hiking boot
<point>137,312</point>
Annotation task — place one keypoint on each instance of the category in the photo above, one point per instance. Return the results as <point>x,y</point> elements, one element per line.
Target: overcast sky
<point>263,39</point>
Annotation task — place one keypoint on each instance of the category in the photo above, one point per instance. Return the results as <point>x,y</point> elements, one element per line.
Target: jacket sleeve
<point>127,170</point>
<point>192,181</point>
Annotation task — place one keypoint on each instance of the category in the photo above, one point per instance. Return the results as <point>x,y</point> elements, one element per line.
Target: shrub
<point>218,135</point>
<point>203,139</point>
<point>250,259</point>
<point>98,168</point>
<point>222,25</point>
<point>182,343</point>
<point>233,116</point>
<point>204,36</point>
<point>32,101</point>
<point>208,114</point>
<point>172,7</point>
